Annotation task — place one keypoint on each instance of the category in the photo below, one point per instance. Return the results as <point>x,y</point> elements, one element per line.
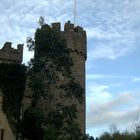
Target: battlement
<point>11,55</point>
<point>67,27</point>
<point>75,36</point>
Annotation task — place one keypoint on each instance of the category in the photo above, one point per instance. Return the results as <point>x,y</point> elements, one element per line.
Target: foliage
<point>30,43</point>
<point>51,51</point>
<point>52,57</point>
<point>51,134</point>
<point>41,21</point>
<point>73,90</point>
<point>136,123</point>
<point>115,134</point>
<point>32,124</point>
<point>12,82</point>
<point>119,136</point>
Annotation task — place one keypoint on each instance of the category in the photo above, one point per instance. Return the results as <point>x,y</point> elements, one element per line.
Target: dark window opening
<point>1,134</point>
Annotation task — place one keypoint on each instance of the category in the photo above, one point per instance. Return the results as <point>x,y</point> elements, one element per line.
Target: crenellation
<point>7,46</point>
<point>20,47</point>
<point>75,36</point>
<point>56,26</point>
<point>11,55</point>
<point>78,29</point>
<point>68,27</point>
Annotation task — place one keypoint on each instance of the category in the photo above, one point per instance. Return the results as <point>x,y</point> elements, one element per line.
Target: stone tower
<point>76,40</point>
<point>11,55</point>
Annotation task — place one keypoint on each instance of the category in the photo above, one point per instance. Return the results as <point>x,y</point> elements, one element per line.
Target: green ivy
<point>12,83</point>
<point>32,124</point>
<point>73,89</point>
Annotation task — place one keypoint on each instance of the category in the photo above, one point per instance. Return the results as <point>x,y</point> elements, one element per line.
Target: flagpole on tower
<point>74,12</point>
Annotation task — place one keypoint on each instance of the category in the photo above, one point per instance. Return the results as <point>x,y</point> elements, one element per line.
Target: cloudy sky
<point>112,67</point>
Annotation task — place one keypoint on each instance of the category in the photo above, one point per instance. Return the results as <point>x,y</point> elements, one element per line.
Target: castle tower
<point>11,55</point>
<point>76,40</point>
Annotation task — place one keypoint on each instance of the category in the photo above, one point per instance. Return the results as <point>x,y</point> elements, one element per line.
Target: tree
<point>91,138</point>
<point>97,138</point>
<point>41,21</point>
<point>88,137</point>
<point>136,124</point>
<point>105,136</point>
<point>12,83</point>
<point>32,124</point>
<point>115,134</point>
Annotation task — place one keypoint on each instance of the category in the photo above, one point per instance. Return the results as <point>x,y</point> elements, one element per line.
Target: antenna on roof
<point>74,12</point>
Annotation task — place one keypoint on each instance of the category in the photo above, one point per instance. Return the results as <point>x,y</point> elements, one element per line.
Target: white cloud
<point>110,50</point>
<point>115,29</point>
<point>136,79</point>
<point>103,76</point>
<point>97,33</point>
<point>105,107</point>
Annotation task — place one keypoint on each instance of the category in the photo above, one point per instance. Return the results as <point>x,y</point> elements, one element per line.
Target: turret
<point>11,55</point>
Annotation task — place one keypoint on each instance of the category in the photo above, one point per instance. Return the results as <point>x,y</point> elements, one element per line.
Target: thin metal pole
<point>74,12</point>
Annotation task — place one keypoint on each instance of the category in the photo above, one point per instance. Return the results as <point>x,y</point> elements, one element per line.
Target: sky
<point>113,44</point>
